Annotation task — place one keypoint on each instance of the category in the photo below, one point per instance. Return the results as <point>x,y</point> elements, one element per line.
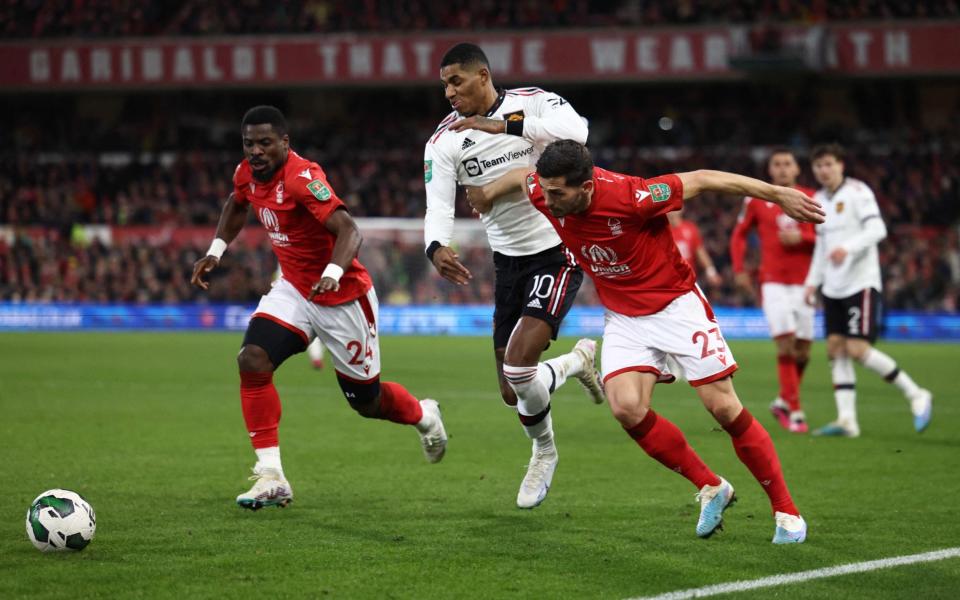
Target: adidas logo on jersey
<point>467,142</point>
<point>535,303</point>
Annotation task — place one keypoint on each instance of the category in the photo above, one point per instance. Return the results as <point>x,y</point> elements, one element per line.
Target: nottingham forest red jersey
<point>778,263</point>
<point>293,207</point>
<point>687,237</point>
<point>623,240</point>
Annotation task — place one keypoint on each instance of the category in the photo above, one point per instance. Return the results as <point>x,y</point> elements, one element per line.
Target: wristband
<point>432,249</point>
<point>217,248</point>
<point>333,271</point>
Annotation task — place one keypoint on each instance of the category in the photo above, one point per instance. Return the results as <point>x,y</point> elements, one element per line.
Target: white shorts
<point>685,329</point>
<point>349,331</point>
<point>786,310</point>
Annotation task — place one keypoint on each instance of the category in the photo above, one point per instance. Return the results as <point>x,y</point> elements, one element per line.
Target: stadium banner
<point>466,320</point>
<point>635,54</point>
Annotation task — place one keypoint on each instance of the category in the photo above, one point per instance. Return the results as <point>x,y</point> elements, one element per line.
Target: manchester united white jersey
<point>853,222</point>
<point>514,227</point>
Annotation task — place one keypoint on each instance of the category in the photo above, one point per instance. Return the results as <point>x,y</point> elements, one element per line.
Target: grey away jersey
<point>514,227</point>
<point>854,223</point>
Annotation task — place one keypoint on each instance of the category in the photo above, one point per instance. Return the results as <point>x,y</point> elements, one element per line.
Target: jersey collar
<point>501,94</point>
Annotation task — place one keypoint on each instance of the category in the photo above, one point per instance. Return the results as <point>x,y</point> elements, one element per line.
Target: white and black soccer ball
<point>60,520</point>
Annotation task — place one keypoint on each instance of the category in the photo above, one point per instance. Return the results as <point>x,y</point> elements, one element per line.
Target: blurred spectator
<point>115,18</point>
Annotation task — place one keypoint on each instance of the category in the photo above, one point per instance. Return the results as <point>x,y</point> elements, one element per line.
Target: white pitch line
<point>786,578</point>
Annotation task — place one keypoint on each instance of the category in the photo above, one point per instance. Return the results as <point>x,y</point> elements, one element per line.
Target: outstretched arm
<point>482,198</point>
<point>794,203</point>
<point>232,218</point>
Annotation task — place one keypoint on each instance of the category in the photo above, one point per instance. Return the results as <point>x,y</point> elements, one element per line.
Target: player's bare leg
<point>844,390</point>
<point>629,395</point>
<point>786,407</point>
<point>921,400</point>
<point>531,383</point>
<point>755,449</point>
<point>261,412</point>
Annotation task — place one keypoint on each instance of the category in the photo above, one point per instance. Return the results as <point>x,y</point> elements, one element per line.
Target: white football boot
<point>536,483</point>
<point>270,488</point>
<point>790,529</point>
<point>589,377</point>
<point>714,499</point>
<point>434,440</point>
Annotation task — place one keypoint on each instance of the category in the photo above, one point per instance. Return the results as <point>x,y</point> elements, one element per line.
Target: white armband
<point>217,248</point>
<point>333,271</point>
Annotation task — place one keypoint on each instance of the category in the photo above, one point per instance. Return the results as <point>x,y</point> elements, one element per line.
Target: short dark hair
<point>780,150</point>
<point>832,149</point>
<point>568,159</point>
<point>266,115</point>
<point>465,54</point>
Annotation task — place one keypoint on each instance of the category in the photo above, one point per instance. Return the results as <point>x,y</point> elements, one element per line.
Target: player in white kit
<point>489,132</point>
<point>846,268</point>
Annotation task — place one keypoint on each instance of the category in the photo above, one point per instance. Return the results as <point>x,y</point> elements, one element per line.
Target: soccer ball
<point>60,520</point>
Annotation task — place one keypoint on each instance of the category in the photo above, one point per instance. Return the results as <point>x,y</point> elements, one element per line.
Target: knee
<point>857,351</point>
<point>785,347</point>
<point>364,397</point>
<point>724,406</point>
<point>367,408</point>
<point>254,359</point>
<point>628,411</point>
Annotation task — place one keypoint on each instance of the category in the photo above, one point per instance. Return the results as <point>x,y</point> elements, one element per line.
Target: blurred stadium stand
<point>113,152</point>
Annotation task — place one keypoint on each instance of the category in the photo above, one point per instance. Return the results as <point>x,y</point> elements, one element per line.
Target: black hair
<point>266,115</point>
<point>466,55</point>
<point>568,159</point>
<point>833,149</point>
<point>780,150</point>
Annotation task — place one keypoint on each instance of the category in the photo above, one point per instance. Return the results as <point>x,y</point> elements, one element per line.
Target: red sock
<point>399,405</point>
<point>261,408</point>
<point>801,367</point>
<point>664,442</point>
<point>789,381</point>
<point>755,449</point>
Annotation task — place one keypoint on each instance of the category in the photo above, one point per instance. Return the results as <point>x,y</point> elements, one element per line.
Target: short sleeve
<point>531,187</point>
<point>656,196</point>
<point>239,187</point>
<point>319,198</point>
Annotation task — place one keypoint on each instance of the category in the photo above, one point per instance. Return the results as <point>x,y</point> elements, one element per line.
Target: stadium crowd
<point>138,168</point>
<point>115,18</point>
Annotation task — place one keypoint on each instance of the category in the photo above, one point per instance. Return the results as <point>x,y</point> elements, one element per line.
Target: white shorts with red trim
<point>786,310</point>
<point>685,329</point>
<point>349,331</point>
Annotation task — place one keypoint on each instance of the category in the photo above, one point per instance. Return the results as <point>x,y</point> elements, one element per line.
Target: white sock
<point>844,388</point>
<point>533,401</point>
<point>884,366</point>
<point>269,458</point>
<point>426,422</point>
<point>554,372</point>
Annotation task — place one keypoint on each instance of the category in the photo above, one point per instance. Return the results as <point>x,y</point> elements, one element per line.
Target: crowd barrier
<point>470,320</point>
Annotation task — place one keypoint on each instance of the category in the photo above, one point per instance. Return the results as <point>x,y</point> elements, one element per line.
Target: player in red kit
<point>323,292</point>
<point>687,236</point>
<point>655,309</point>
<point>786,248</point>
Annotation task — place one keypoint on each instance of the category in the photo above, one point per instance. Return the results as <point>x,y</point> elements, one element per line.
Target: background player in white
<point>324,291</point>
<point>846,266</point>
<point>655,309</point>
<point>489,132</point>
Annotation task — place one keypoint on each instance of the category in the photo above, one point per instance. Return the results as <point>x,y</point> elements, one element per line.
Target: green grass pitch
<point>148,428</point>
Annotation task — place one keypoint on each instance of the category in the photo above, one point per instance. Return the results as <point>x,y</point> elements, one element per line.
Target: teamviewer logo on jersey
<point>472,167</point>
